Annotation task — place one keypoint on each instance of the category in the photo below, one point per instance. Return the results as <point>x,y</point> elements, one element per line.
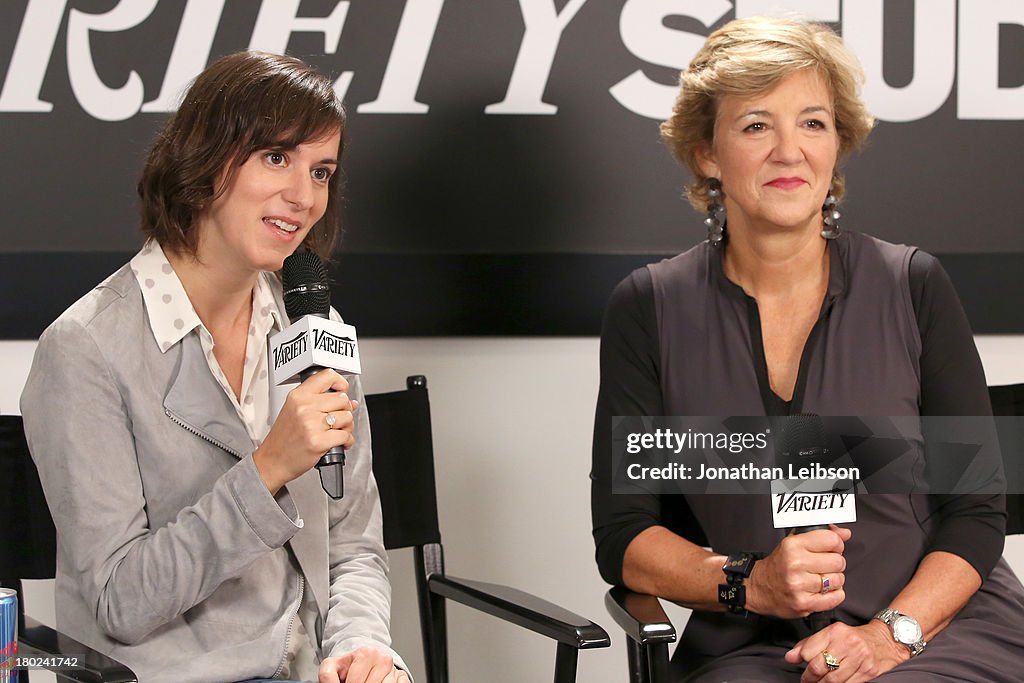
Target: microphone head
<point>306,292</point>
<point>803,437</point>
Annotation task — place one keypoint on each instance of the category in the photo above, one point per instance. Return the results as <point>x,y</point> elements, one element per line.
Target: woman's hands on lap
<point>365,665</point>
<point>864,652</point>
<point>300,434</point>
<point>790,579</point>
<point>787,583</point>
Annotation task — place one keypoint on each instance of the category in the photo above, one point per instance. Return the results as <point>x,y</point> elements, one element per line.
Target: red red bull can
<point>8,635</point>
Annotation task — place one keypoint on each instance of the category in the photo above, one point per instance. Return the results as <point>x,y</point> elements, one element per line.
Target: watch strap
<point>887,615</point>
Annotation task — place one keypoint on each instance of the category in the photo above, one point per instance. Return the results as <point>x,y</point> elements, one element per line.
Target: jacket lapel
<point>198,402</point>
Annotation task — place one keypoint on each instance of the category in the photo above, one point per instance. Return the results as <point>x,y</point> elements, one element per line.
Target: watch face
<point>906,630</point>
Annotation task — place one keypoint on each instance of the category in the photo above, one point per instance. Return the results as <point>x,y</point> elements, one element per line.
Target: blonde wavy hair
<point>748,57</point>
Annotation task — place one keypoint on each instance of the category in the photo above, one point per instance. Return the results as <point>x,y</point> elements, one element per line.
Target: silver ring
<point>826,585</point>
<point>330,420</point>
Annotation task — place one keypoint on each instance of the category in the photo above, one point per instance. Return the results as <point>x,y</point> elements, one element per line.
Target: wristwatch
<point>905,630</point>
<point>733,594</point>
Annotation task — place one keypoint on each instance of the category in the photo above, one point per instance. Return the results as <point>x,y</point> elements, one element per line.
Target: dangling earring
<point>715,222</point>
<point>831,216</point>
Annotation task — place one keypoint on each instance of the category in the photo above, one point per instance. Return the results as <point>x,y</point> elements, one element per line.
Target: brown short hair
<point>240,104</point>
<point>747,57</point>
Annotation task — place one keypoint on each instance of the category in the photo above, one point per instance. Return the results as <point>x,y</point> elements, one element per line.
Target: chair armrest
<point>523,609</point>
<point>640,616</point>
<point>94,667</point>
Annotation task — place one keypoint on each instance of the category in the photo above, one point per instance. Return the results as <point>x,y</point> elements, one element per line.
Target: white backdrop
<point>512,423</point>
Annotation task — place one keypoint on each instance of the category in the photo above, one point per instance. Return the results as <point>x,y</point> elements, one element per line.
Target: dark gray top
<point>700,353</point>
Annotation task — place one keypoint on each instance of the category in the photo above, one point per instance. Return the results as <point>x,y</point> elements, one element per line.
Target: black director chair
<point>403,464</point>
<point>28,550</point>
<point>649,631</point>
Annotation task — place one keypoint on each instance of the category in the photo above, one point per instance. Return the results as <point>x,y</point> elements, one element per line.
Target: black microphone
<point>802,444</point>
<point>306,293</point>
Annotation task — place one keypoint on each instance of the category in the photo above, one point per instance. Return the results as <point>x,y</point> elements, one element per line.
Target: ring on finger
<point>331,420</point>
<point>826,585</point>
<point>830,660</point>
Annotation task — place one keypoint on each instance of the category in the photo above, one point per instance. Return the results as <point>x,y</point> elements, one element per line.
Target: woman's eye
<point>756,127</point>
<point>275,158</point>
<point>322,174</point>
<point>816,124</point>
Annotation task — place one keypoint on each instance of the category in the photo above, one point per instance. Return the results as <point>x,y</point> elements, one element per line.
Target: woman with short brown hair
<point>196,543</point>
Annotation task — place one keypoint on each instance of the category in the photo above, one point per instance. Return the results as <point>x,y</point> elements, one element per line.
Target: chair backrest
<point>28,541</point>
<point>1009,401</point>
<point>403,464</point>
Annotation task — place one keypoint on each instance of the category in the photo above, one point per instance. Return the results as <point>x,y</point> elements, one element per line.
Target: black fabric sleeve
<point>629,386</point>
<point>953,383</point>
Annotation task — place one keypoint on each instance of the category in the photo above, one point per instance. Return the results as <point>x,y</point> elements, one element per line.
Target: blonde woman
<point>785,310</point>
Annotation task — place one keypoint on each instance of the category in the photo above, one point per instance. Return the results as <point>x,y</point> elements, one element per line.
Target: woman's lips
<point>286,232</point>
<point>786,183</point>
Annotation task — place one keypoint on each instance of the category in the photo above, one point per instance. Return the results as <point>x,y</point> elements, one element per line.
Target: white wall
<point>512,423</point>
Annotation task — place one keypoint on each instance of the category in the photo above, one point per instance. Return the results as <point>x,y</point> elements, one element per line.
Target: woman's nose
<point>787,148</point>
<point>299,191</point>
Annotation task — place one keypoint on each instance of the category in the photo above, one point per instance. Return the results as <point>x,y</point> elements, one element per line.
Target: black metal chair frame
<point>649,631</point>
<point>403,464</point>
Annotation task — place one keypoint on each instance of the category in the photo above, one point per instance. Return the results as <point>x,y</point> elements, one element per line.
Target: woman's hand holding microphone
<point>802,575</point>
<point>316,416</point>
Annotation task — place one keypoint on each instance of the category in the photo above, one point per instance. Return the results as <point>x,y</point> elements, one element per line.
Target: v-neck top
<point>865,337</point>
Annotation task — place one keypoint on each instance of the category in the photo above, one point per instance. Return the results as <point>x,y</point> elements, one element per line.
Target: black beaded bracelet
<point>734,597</point>
<point>733,594</point>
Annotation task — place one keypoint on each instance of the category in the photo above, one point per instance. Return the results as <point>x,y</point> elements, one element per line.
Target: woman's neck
<point>220,298</point>
<point>778,263</point>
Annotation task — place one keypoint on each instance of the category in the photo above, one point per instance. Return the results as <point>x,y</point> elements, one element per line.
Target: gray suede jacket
<point>165,529</point>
